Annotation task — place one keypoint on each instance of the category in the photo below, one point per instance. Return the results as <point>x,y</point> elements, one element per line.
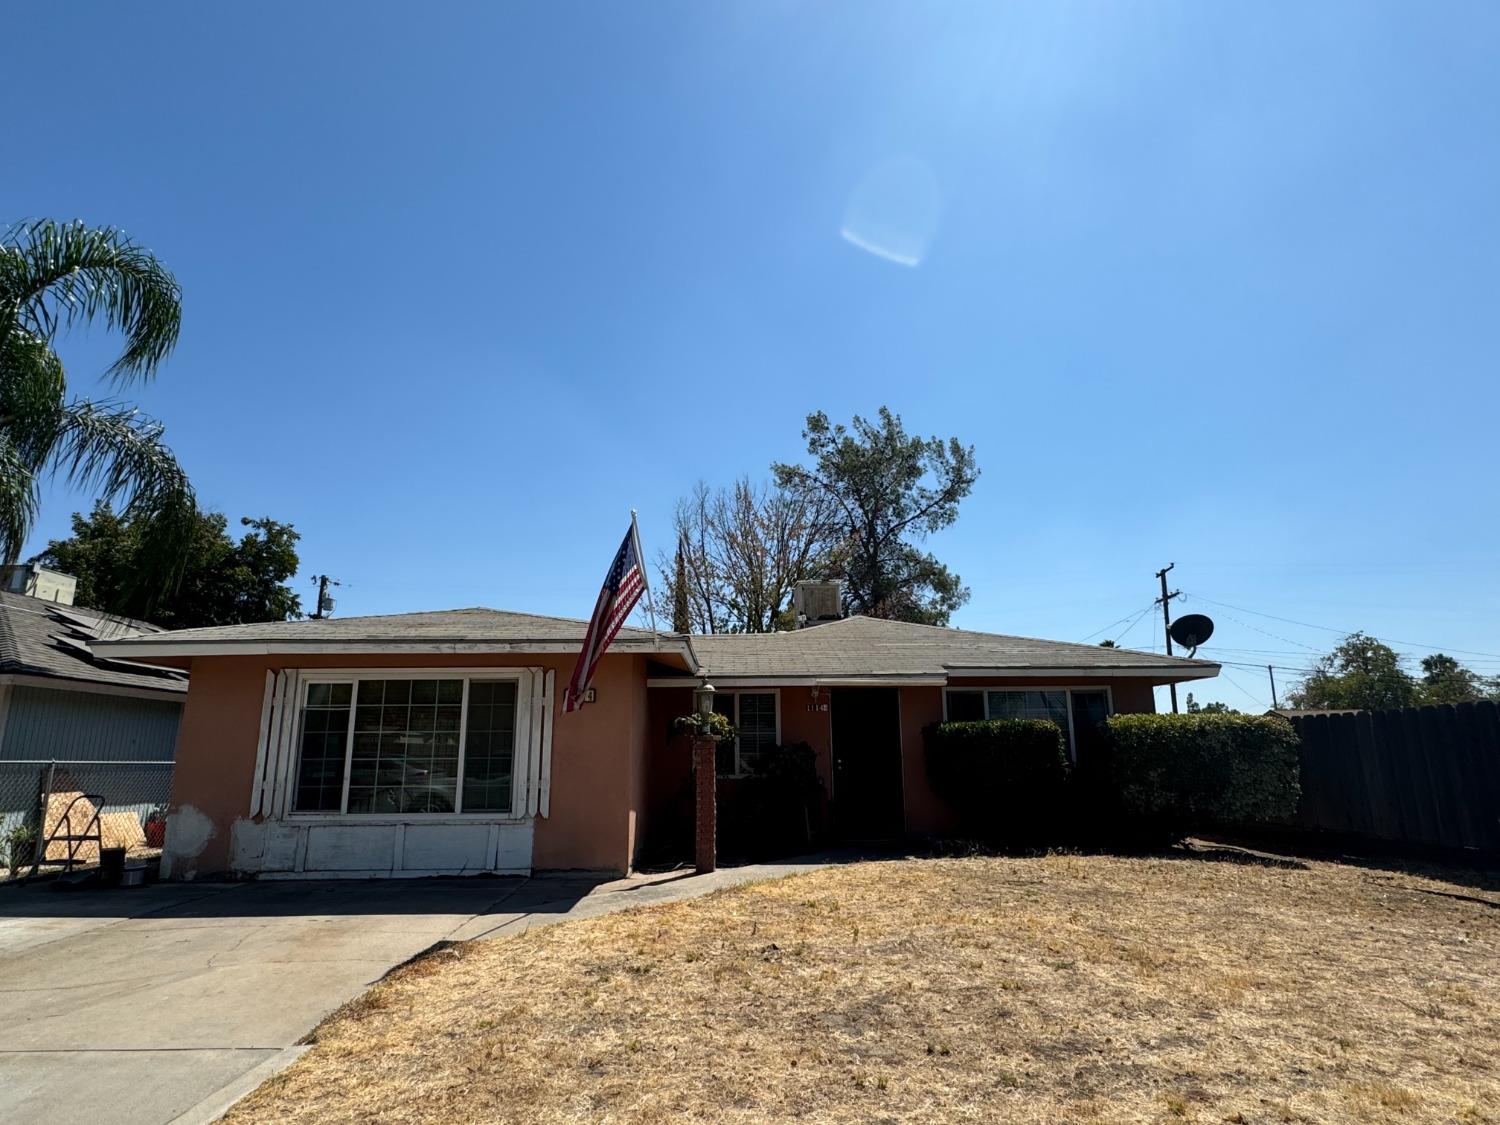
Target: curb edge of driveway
<point>217,1104</point>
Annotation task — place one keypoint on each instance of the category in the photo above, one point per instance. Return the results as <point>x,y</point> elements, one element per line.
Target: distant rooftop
<point>58,641</point>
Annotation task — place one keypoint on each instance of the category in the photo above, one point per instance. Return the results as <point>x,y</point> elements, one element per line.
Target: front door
<point>867,762</point>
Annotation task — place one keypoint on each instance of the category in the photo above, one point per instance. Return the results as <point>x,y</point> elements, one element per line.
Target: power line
<point>1138,618</point>
<point>1344,632</point>
<point>1257,700</point>
<point>1112,624</point>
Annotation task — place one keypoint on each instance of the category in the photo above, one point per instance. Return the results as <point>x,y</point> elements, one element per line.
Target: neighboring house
<point>428,743</point>
<point>72,718</point>
<point>60,698</point>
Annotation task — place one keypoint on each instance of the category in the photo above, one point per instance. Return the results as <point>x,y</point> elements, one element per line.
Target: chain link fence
<point>39,799</point>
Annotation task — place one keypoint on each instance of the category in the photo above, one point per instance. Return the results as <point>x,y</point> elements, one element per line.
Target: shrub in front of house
<point>1007,778</point>
<point>775,810</point>
<point>1180,773</point>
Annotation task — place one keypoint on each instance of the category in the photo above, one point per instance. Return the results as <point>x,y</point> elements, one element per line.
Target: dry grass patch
<point>1041,990</point>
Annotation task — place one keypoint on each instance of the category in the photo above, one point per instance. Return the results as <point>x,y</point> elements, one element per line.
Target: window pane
<point>489,746</point>
<point>320,764</point>
<point>757,727</point>
<point>965,706</point>
<point>724,763</point>
<point>395,750</point>
<point>1090,709</point>
<point>1031,705</point>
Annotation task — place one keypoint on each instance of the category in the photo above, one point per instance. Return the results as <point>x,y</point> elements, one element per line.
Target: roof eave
<point>1162,673</point>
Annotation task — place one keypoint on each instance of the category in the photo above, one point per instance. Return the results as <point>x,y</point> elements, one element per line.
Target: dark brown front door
<point>867,762</point>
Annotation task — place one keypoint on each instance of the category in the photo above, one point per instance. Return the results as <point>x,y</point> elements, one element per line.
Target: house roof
<point>46,639</point>
<point>476,629</point>
<point>870,648</point>
<point>861,648</point>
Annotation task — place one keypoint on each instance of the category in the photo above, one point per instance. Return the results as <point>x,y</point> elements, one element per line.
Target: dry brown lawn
<point>1065,988</point>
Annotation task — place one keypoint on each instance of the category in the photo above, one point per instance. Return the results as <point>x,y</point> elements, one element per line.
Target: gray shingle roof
<point>40,638</point>
<point>476,625</point>
<point>866,646</point>
<point>856,646</point>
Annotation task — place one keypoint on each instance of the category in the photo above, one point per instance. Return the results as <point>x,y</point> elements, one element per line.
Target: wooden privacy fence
<point>1420,775</point>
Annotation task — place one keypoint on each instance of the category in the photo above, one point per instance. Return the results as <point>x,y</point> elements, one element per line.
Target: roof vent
<point>817,602</point>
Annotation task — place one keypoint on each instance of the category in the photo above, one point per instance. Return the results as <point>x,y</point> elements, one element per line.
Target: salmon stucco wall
<point>809,719</point>
<point>598,756</point>
<point>215,768</point>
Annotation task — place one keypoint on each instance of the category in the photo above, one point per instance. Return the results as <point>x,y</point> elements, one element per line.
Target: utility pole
<point>1166,616</point>
<point>1272,673</point>
<point>322,581</point>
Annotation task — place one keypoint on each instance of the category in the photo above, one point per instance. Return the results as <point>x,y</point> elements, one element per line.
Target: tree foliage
<point>740,553</point>
<point>1445,680</point>
<point>223,582</point>
<point>1215,707</point>
<point>53,277</point>
<point>887,491</point>
<point>1362,673</point>
<point>682,609</point>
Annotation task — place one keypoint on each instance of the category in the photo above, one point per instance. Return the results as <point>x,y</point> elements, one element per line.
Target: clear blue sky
<point>1206,283</point>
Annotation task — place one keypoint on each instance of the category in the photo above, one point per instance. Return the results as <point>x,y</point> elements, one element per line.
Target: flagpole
<point>635,535</point>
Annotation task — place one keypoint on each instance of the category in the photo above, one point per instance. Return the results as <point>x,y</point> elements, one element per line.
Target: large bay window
<point>753,714</point>
<point>1077,711</point>
<point>415,744</point>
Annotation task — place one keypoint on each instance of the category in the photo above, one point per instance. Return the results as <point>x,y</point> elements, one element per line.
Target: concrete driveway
<point>165,1003</point>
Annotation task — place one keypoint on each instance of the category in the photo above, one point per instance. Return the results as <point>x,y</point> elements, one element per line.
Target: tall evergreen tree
<point>682,615</point>
<point>888,491</point>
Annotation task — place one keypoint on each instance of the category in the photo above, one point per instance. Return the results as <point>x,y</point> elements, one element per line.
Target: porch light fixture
<point>703,703</point>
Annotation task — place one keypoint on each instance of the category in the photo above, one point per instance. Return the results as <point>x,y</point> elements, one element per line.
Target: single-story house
<point>426,743</point>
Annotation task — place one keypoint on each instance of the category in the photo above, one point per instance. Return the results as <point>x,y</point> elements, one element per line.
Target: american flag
<point>623,586</point>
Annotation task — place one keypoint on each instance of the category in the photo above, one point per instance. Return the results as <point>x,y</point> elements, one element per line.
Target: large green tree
<point>888,491</point>
<point>57,276</point>
<point>1445,680</point>
<point>1361,673</point>
<point>223,582</point>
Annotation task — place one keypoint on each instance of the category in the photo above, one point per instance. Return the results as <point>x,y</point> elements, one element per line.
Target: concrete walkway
<point>166,1003</point>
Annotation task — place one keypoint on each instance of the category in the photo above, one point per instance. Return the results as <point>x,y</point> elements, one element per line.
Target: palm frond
<point>32,390</point>
<point>18,499</point>
<point>117,452</point>
<point>54,275</point>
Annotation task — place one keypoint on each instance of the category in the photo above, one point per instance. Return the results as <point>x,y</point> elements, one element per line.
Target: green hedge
<point>1006,777</point>
<point>1195,771</point>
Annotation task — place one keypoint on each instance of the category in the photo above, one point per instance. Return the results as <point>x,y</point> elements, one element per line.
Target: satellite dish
<point>1191,630</point>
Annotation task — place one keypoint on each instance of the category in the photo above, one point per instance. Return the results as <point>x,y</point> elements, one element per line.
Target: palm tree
<point>54,276</point>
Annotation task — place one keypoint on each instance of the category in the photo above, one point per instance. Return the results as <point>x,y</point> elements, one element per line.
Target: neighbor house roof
<point>452,631</point>
<point>60,642</point>
<point>867,648</point>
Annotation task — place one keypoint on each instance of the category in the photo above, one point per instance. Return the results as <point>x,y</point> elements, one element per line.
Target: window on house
<point>1078,712</point>
<point>393,746</point>
<point>753,714</point>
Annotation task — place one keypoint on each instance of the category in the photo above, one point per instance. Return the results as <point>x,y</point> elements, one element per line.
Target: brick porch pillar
<point>705,812</point>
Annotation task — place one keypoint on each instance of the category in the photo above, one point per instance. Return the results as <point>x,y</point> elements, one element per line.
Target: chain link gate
<point>34,794</point>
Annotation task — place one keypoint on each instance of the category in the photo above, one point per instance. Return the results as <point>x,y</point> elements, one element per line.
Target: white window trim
<point>739,770</point>
<point>286,693</point>
<point>1068,689</point>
